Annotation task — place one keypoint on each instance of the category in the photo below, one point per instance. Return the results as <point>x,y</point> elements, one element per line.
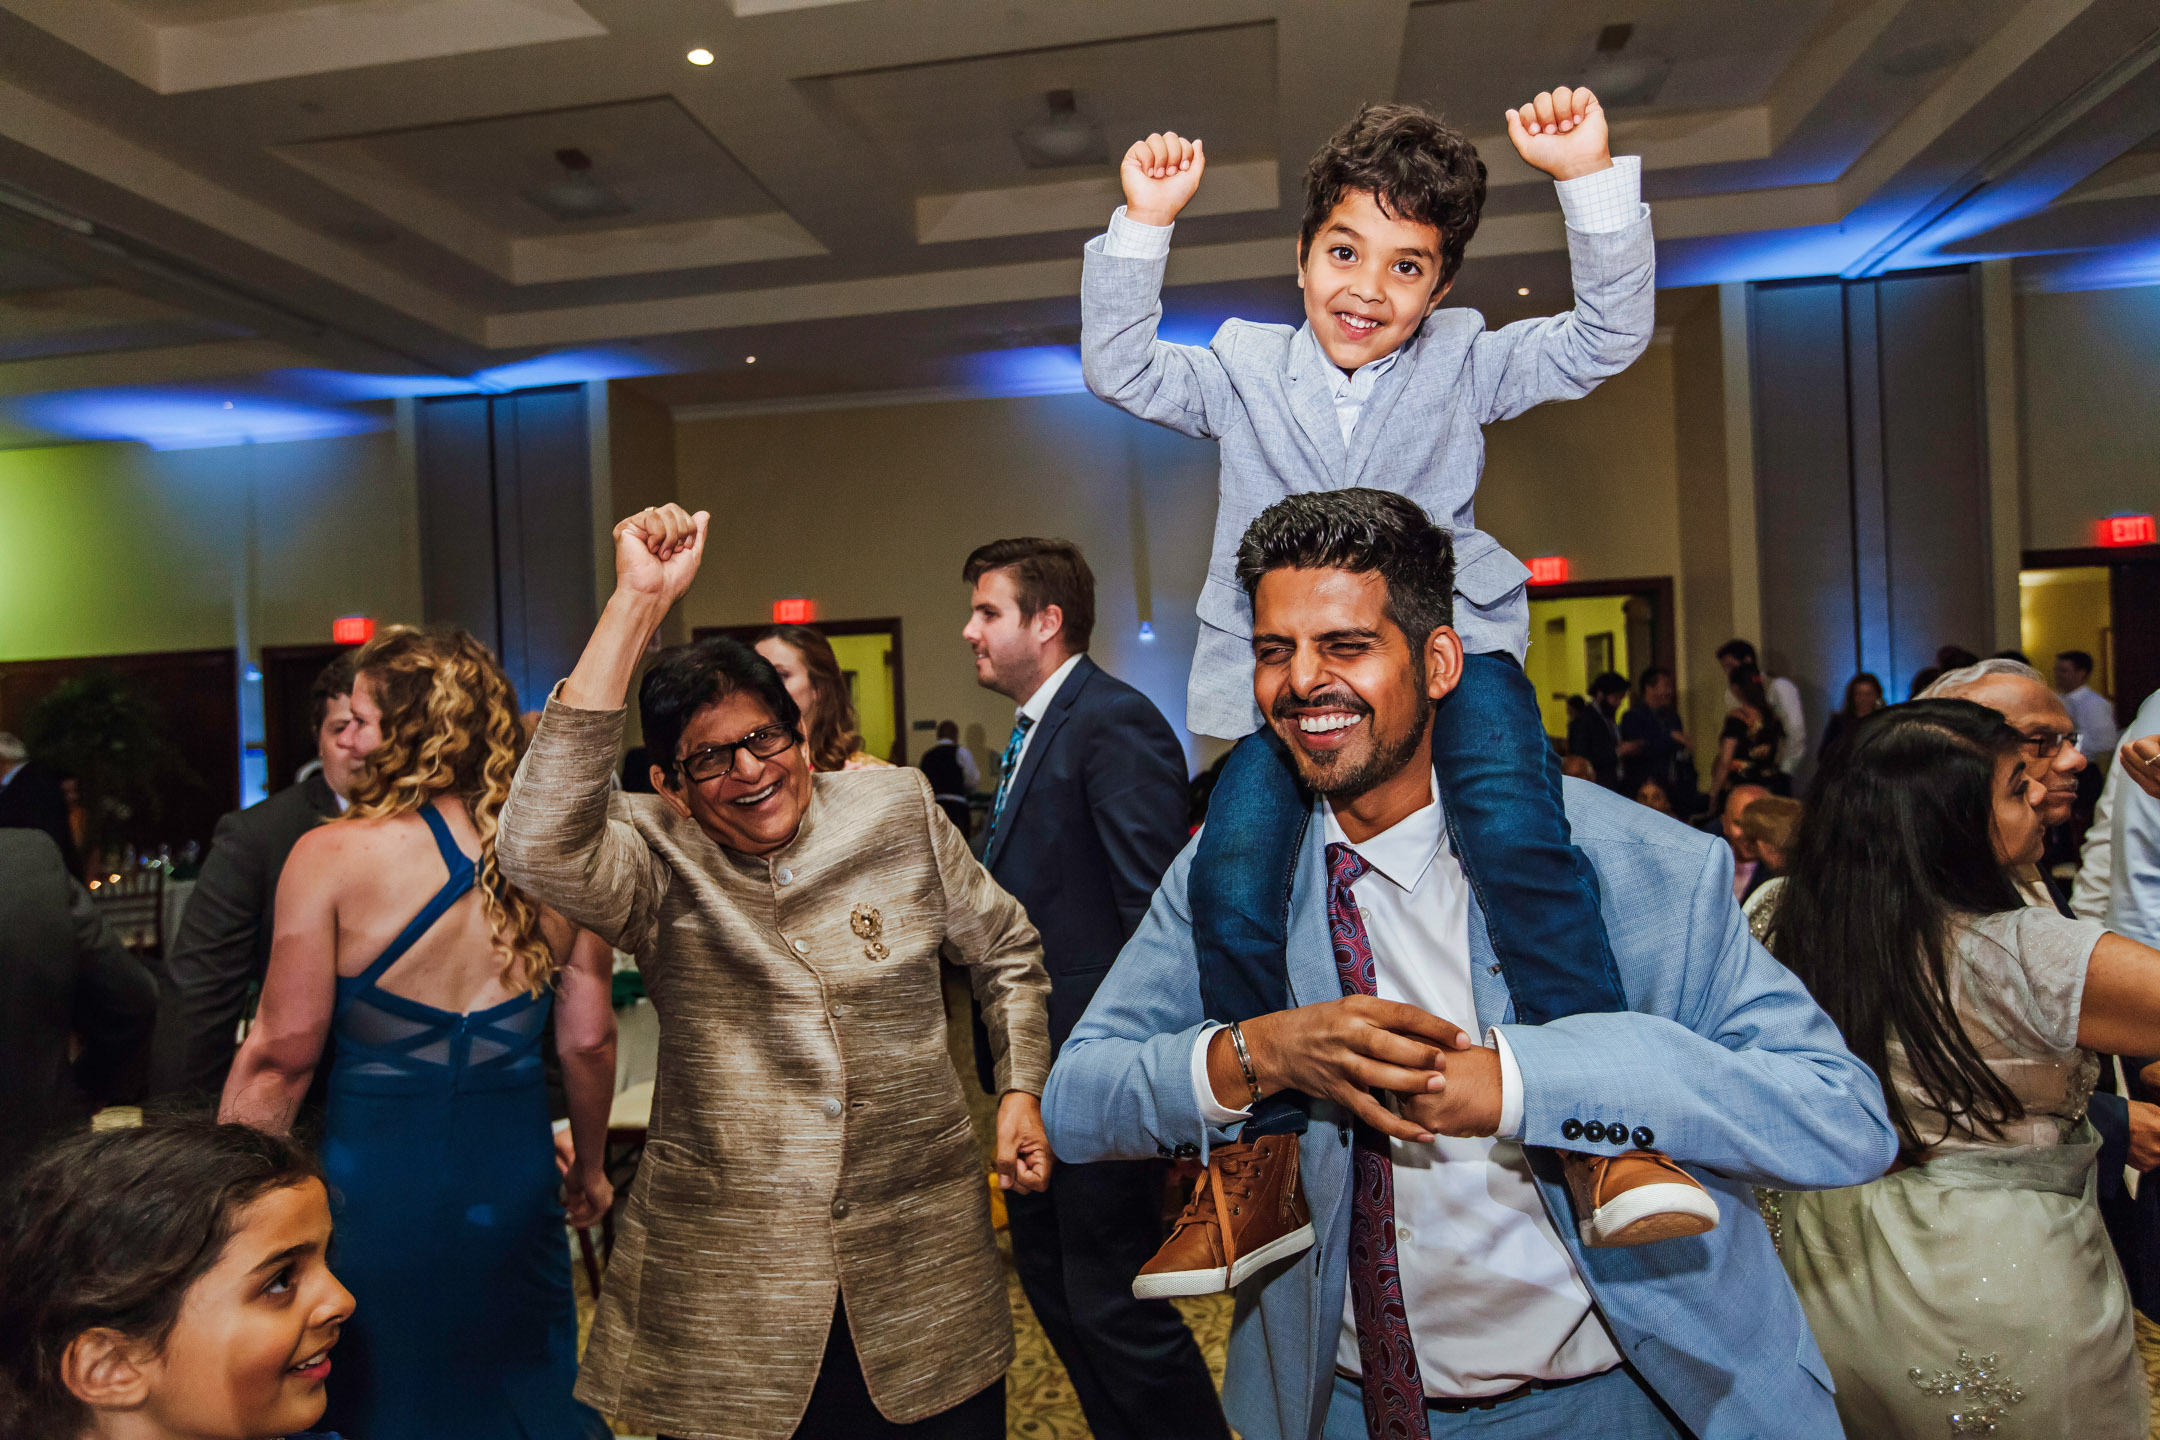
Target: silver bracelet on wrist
<point>1244,1061</point>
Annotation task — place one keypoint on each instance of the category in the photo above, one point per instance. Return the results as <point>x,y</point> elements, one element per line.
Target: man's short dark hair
<point>1365,532</point>
<point>1612,682</point>
<point>687,678</point>
<point>1740,652</point>
<point>2078,658</point>
<point>1044,573</point>
<point>1414,166</point>
<point>335,679</point>
<point>1652,675</point>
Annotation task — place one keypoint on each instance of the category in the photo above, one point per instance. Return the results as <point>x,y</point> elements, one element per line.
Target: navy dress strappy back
<point>441,1165</point>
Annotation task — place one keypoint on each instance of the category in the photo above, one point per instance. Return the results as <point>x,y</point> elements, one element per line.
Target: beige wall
<point>872,510</point>
<point>2090,373</point>
<point>108,549</point>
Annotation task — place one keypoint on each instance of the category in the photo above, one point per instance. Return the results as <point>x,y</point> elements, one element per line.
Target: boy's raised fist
<point>1160,174</point>
<point>1561,132</point>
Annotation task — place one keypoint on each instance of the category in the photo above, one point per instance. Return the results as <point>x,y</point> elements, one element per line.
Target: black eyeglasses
<point>2047,744</point>
<point>714,761</point>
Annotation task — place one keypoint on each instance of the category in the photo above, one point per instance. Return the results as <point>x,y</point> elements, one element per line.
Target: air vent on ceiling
<point>578,194</point>
<point>1621,79</point>
<point>1062,138</point>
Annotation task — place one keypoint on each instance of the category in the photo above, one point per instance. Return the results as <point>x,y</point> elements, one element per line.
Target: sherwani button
<point>1571,1129</point>
<point>831,1107</point>
<point>839,1209</point>
<point>802,947</point>
<point>784,875</point>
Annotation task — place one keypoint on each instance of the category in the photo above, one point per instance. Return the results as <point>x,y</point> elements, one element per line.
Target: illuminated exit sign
<point>2119,530</point>
<point>1548,570</point>
<point>352,630</point>
<point>794,611</point>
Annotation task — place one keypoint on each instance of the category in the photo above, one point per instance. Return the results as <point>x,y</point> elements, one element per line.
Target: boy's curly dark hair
<point>1416,167</point>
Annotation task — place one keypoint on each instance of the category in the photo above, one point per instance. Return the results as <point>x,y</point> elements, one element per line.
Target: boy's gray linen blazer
<point>1263,392</point>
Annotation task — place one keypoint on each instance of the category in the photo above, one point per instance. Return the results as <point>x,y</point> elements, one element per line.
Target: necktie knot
<point>1345,867</point>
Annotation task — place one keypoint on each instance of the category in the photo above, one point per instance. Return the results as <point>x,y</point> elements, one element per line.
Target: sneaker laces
<point>1231,1172</point>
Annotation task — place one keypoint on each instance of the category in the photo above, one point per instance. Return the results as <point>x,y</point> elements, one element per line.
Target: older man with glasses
<point>807,1248</point>
<point>2052,753</point>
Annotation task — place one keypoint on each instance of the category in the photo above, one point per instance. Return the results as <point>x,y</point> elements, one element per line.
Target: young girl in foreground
<point>164,1283</point>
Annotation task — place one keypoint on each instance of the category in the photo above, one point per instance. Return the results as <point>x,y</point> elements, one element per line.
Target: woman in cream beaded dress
<point>1972,1290</point>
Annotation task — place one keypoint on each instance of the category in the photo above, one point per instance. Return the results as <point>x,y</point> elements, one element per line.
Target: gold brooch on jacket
<point>869,924</point>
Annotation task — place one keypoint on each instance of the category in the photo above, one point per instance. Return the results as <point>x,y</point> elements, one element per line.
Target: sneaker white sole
<point>1169,1284</point>
<point>1650,1213</point>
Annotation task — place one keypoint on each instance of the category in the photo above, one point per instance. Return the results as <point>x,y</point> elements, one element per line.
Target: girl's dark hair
<point>835,732</point>
<point>108,1230</point>
<point>1747,684</point>
<point>1414,166</point>
<point>685,679</point>
<point>1896,847</point>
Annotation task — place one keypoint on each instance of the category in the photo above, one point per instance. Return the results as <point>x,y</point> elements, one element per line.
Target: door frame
<point>882,625</point>
<point>2136,674</point>
<point>1664,650</point>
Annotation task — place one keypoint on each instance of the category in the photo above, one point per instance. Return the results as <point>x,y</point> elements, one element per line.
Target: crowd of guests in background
<point>419,1000</point>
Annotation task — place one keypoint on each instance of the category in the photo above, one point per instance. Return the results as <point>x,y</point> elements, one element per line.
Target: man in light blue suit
<point>1446,1268</point>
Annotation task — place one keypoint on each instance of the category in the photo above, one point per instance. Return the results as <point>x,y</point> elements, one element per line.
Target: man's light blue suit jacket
<point>1723,1055</point>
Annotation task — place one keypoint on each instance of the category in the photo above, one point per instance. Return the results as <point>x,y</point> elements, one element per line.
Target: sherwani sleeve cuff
<point>1203,1089</point>
<point>1130,239</point>
<point>1598,203</point>
<point>1510,1127</point>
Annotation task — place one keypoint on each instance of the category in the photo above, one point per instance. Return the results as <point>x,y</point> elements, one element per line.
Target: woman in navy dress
<point>396,934</point>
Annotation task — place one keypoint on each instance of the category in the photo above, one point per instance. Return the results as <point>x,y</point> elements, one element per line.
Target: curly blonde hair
<point>450,726</point>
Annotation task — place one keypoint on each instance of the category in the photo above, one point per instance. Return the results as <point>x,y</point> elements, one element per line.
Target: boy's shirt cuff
<point>1595,204</point>
<point>1216,1114</point>
<point>1130,239</point>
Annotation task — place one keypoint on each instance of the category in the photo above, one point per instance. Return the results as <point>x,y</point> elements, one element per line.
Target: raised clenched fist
<point>657,551</point>
<point>1562,132</point>
<point>1160,175</point>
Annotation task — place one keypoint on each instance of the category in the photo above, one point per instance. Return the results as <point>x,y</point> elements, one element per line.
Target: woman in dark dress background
<point>395,927</point>
<point>1748,745</point>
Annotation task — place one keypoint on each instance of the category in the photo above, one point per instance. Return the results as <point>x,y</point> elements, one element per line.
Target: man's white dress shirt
<point>1492,1294</point>
<point>2134,878</point>
<point>1597,203</point>
<point>2094,716</point>
<point>1038,705</point>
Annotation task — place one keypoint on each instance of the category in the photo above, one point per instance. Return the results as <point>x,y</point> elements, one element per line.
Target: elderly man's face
<point>1337,679</point>
<point>756,805</point>
<point>2038,714</point>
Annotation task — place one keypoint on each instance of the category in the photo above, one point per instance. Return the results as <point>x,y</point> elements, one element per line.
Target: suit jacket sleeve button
<point>1187,1151</point>
<point>1594,1132</point>
<point>1571,1129</point>
<point>1644,1137</point>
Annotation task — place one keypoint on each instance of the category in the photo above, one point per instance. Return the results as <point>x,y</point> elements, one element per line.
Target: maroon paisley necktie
<point>1394,1393</point>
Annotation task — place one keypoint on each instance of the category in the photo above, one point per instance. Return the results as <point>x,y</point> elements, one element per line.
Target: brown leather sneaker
<point>1635,1198</point>
<point>1247,1211</point>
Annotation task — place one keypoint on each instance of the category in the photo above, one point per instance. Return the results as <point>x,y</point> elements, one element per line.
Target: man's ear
<point>674,791</point>
<point>1049,623</point>
<point>107,1370</point>
<point>1443,662</point>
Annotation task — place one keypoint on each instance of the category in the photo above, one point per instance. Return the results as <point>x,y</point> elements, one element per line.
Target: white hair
<point>11,750</point>
<point>1952,684</point>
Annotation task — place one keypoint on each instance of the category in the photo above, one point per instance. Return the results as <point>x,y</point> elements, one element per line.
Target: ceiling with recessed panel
<point>891,194</point>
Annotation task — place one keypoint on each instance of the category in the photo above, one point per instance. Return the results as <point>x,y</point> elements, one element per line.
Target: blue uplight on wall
<point>1026,370</point>
<point>178,419</point>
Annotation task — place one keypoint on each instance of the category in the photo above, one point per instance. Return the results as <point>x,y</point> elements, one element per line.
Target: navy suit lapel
<point>1038,750</point>
<point>1312,402</point>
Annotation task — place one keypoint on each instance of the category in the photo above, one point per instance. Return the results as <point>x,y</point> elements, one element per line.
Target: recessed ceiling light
<point>1522,290</point>
<point>749,359</point>
<point>699,56</point>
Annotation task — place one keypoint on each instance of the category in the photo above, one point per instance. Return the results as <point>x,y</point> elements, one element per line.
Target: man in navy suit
<point>1090,810</point>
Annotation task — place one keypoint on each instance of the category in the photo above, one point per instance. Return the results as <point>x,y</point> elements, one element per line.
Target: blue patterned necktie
<point>1393,1391</point>
<point>1007,765</point>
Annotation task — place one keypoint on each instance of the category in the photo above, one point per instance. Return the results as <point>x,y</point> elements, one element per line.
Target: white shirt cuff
<point>1596,204</point>
<point>1510,1088</point>
<point>1203,1089</point>
<point>1130,239</point>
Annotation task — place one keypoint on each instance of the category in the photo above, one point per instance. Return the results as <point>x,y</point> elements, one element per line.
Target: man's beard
<point>1340,778</point>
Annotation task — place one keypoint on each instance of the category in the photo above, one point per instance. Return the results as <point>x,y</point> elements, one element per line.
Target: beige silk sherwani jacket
<point>808,1130</point>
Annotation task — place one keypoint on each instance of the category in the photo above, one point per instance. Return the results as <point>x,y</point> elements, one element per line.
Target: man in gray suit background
<point>224,940</point>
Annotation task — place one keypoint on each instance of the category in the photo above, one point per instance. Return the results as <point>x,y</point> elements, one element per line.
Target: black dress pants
<point>1133,1363</point>
<point>840,1406</point>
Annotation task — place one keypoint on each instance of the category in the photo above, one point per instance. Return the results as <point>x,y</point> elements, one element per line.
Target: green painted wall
<point>111,549</point>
